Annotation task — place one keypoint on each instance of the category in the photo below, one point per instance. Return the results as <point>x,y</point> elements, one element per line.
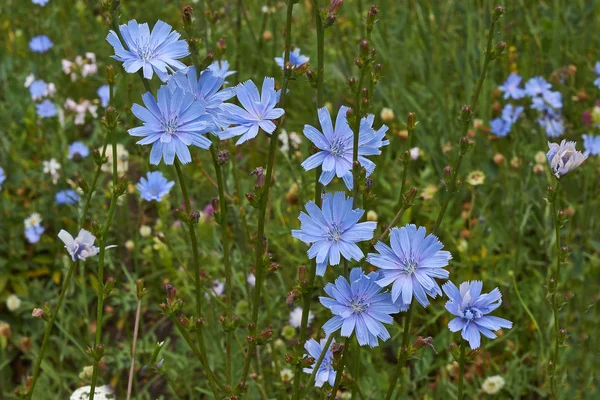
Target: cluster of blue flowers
<point>548,103</point>
<point>33,228</point>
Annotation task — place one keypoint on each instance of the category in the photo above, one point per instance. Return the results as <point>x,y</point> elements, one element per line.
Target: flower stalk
<point>402,352</point>
<point>558,337</point>
<point>461,371</point>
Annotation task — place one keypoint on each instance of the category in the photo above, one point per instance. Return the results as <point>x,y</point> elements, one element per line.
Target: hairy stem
<point>403,352</point>
<point>340,372</point>
<point>461,371</point>
<point>555,299</point>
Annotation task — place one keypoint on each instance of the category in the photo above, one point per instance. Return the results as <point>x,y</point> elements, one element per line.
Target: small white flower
<point>100,393</point>
<point>284,140</point>
<point>286,374</point>
<point>145,231</point>
<point>217,288</point>
<point>564,157</point>
<point>129,245</point>
<point>493,384</point>
<point>295,140</point>
<point>296,317</point>
<point>414,153</point>
<point>387,115</point>
<point>122,160</point>
<point>251,279</point>
<point>81,247</point>
<point>67,66</point>
<point>265,9</point>
<point>29,80</point>
<point>51,89</point>
<point>13,303</point>
<point>52,167</point>
<point>34,219</point>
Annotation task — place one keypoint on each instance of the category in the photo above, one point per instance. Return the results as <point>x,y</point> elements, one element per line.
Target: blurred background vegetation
<point>431,52</point>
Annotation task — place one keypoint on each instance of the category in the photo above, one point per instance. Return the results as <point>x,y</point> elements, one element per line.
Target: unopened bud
<point>411,121</point>
<point>498,50</point>
<point>497,13</point>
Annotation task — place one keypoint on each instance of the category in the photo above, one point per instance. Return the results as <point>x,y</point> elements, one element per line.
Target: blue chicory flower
<point>511,87</point>
<point>564,157</point>
<point>78,149</point>
<point>34,233</point>
<point>537,86</point>
<point>38,89</point>
<point>207,90</point>
<point>103,93</point>
<point>325,373</point>
<point>333,230</point>
<point>549,103</point>
<point>40,2</point>
<point>172,124</point>
<point>154,186</point>
<point>591,144</point>
<point>259,111</point>
<point>471,308</point>
<point>336,146</point>
<point>597,71</point>
<point>2,176</point>
<point>67,196</point>
<point>553,126</point>
<point>500,127</point>
<point>81,247</point>
<point>40,44</point>
<point>511,113</point>
<point>411,264</point>
<point>158,51</point>
<point>46,109</point>
<point>220,69</point>
<point>296,59</point>
<point>359,307</point>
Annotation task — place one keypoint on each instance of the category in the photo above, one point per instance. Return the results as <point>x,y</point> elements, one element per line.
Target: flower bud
<point>110,75</point>
<point>223,157</point>
<point>411,121</point>
<point>498,50</point>
<point>335,5</point>
<point>497,13</point>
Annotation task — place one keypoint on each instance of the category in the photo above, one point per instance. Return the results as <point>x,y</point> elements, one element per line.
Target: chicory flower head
<point>40,2</point>
<point>78,149</point>
<point>171,124</point>
<point>2,176</point>
<point>411,264</point>
<point>597,71</point>
<point>206,88</point>
<point>38,89</point>
<point>537,86</point>
<point>296,59</point>
<point>470,308</point>
<point>46,109</point>
<point>511,113</point>
<point>591,144</point>
<point>81,247</point>
<point>220,69</point>
<point>359,307</point>
<point>33,228</point>
<point>511,87</point>
<point>154,186</point>
<point>325,373</point>
<point>259,111</point>
<point>40,44</point>
<point>158,51</point>
<point>564,158</point>
<point>333,230</point>
<point>67,196</point>
<point>500,127</point>
<point>553,126</point>
<point>103,93</point>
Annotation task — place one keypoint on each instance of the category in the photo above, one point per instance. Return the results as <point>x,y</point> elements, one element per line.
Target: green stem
<point>555,305</point>
<point>451,191</point>
<point>403,353</point>
<point>264,201</point>
<point>340,372</point>
<point>405,163</point>
<point>461,371</point>
<point>355,167</point>
<point>50,324</point>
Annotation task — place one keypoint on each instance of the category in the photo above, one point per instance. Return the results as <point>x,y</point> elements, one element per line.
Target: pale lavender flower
<point>154,186</point>
<point>511,113</point>
<point>564,158</point>
<point>333,230</point>
<point>296,317</point>
<point>220,69</point>
<point>511,87</point>
<point>325,373</point>
<point>553,126</point>
<point>597,71</point>
<point>470,308</point>
<point>537,86</point>
<point>296,59</point>
<point>38,89</point>
<point>40,44</point>
<point>258,113</point>
<point>103,93</point>
<point>158,51</point>
<point>500,127</point>
<point>33,228</point>
<point>40,2</point>
<point>78,149</point>
<point>67,196</point>
<point>46,109</point>
<point>411,264</point>
<point>591,144</point>
<point>81,247</point>
<point>2,176</point>
<point>359,307</point>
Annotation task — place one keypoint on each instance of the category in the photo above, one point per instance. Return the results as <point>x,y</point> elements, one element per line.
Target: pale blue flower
<point>38,89</point>
<point>359,307</point>
<point>553,126</point>
<point>500,127</point>
<point>564,157</point>
<point>411,264</point>
<point>333,230</point>
<point>597,71</point>
<point>172,124</point>
<point>2,176</point>
<point>511,87</point>
<point>336,146</point>
<point>78,149</point>
<point>259,111</point>
<point>325,373</point>
<point>40,44</point>
<point>46,109</point>
<point>296,59</point>
<point>103,93</point>
<point>207,90</point>
<point>220,69</point>
<point>537,86</point>
<point>158,51</point>
<point>67,196</point>
<point>154,186</point>
<point>511,113</point>
<point>40,2</point>
<point>549,102</point>
<point>470,308</point>
<point>34,233</point>
<point>81,247</point>
<point>591,144</point>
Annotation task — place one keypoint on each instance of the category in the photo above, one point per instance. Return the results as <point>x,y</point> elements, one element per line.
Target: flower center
<point>335,233</point>
<point>337,148</point>
<point>171,124</point>
<point>145,51</point>
<point>472,313</point>
<point>358,306</point>
<point>411,265</point>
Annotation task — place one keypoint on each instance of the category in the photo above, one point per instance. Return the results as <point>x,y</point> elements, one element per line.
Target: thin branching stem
<point>402,353</point>
<point>555,297</point>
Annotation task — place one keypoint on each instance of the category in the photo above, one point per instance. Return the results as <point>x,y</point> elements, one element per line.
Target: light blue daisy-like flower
<point>220,69</point>
<point>2,176</point>
<point>511,87</point>
<point>537,86</point>
<point>78,149</point>
<point>549,103</point>
<point>471,308</point>
<point>46,109</point>
<point>591,145</point>
<point>553,126</point>
<point>500,127</point>
<point>171,124</point>
<point>40,44</point>
<point>511,113</point>
<point>597,71</point>
<point>206,89</point>
<point>336,146</point>
<point>40,2</point>
<point>359,307</point>
<point>333,230</point>
<point>564,157</point>
<point>81,247</point>
<point>158,51</point>
<point>103,93</point>
<point>38,89</point>
<point>154,186</point>
<point>326,372</point>
<point>296,59</point>
<point>33,234</point>
<point>67,196</point>
<point>258,113</point>
<point>411,265</point>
